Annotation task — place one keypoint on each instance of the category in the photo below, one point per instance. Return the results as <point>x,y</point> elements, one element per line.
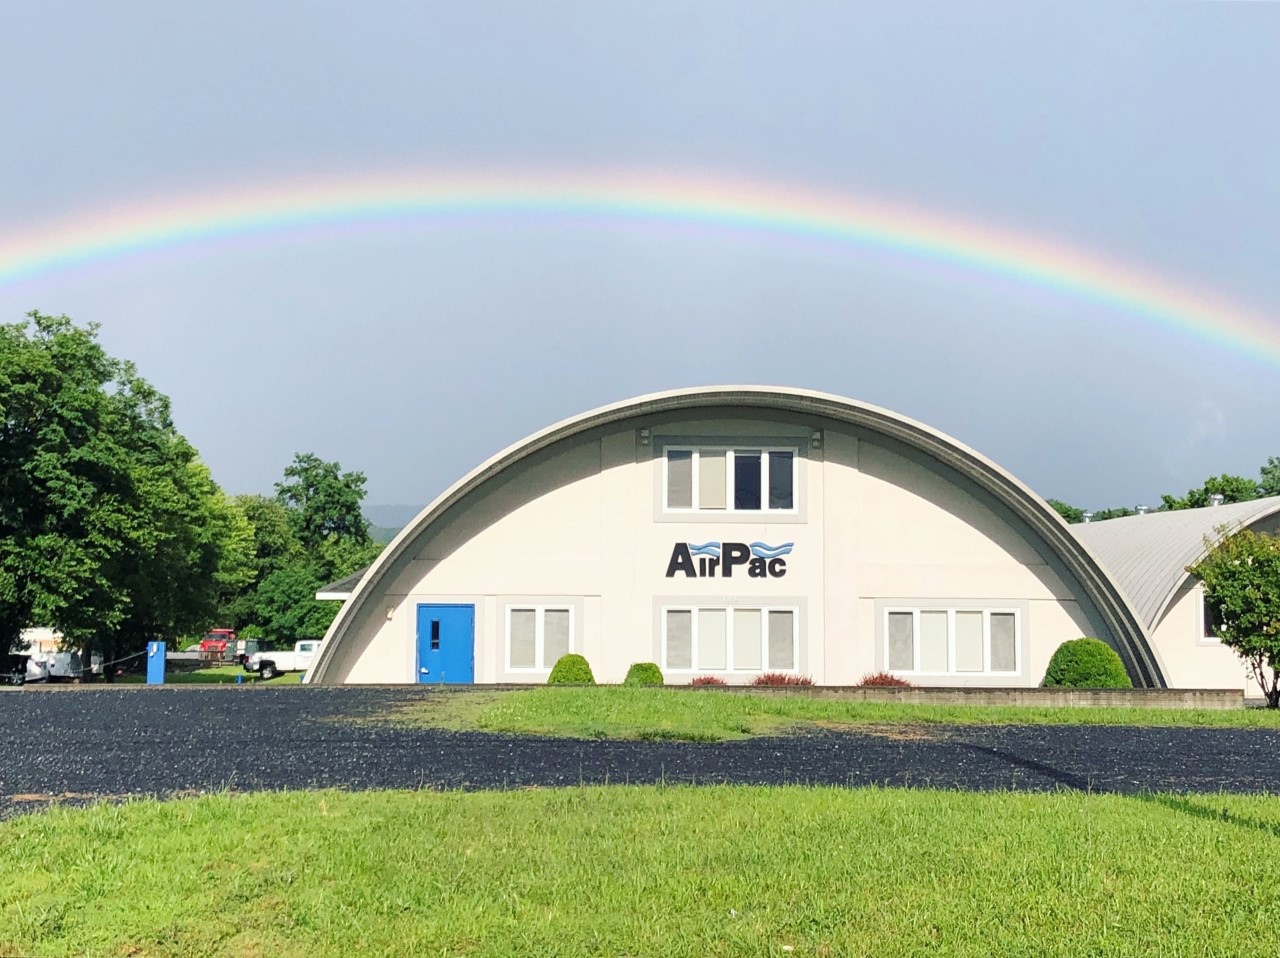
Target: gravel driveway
<point>74,744</point>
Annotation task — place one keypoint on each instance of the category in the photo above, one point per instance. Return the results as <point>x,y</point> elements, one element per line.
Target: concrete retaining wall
<point>1045,698</point>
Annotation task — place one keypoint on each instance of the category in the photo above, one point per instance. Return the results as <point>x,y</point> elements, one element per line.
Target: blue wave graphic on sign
<point>706,549</point>
<point>762,550</point>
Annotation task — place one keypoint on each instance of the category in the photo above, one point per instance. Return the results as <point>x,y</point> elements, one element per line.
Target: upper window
<point>706,479</point>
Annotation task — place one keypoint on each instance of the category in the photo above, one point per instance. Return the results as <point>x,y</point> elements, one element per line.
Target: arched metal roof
<point>1148,556</point>
<point>1110,602</point>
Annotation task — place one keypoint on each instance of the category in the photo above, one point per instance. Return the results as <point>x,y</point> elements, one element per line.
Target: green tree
<point>111,530</point>
<point>1241,576</point>
<point>1118,513</point>
<point>323,501</point>
<point>312,533</point>
<point>1231,488</point>
<point>1269,484</point>
<point>272,546</point>
<point>1068,512</point>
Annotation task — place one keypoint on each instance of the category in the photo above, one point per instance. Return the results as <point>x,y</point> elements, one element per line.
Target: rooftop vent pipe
<point>1087,517</point>
<point>1142,510</point>
<point>1216,499</point>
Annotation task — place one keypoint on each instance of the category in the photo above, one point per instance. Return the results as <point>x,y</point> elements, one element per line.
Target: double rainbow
<point>742,206</point>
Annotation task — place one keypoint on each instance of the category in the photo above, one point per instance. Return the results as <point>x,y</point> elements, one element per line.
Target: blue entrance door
<point>446,643</point>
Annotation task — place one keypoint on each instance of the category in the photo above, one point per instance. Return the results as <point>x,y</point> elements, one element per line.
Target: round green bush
<point>571,669</point>
<point>643,673</point>
<point>1086,664</point>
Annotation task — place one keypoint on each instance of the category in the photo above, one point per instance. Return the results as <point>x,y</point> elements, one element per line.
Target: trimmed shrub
<point>781,678</point>
<point>708,680</point>
<point>571,669</point>
<point>1086,664</point>
<point>643,673</point>
<point>884,680</point>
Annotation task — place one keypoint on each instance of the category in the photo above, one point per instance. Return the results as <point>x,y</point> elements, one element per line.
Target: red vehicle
<point>217,642</point>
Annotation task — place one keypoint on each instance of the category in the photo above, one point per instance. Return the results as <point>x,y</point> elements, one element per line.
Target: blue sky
<point>1145,132</point>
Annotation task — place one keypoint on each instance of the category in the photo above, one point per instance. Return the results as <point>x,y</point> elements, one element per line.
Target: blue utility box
<point>155,663</point>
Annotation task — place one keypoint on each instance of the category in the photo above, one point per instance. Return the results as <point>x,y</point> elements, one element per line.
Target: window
<point>707,479</point>
<point>1208,635</point>
<point>730,639</point>
<point>537,636</point>
<point>941,641</point>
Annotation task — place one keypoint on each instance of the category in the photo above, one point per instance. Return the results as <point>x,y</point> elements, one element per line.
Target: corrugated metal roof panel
<point>1148,556</point>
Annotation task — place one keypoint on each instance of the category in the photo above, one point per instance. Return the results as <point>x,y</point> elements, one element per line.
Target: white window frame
<point>730,449</point>
<point>539,634</point>
<point>729,610</point>
<point>1205,637</point>
<point>951,611</point>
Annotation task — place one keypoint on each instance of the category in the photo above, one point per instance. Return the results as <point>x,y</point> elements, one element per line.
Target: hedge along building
<point>731,531</point>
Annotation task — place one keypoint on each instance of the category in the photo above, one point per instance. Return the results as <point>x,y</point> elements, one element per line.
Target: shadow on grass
<point>1185,805</point>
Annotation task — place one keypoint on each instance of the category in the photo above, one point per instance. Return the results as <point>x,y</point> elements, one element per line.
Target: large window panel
<point>555,636</point>
<point>937,640</point>
<point>782,633</point>
<point>746,480</point>
<point>679,479</point>
<point>902,652</point>
<point>679,639</point>
<point>1004,642</point>
<point>746,639</point>
<point>933,641</point>
<point>713,479</point>
<point>781,480</point>
<point>524,648</point>
<point>969,642</point>
<point>712,635</point>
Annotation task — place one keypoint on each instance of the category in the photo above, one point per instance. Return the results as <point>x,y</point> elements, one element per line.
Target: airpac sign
<point>710,559</point>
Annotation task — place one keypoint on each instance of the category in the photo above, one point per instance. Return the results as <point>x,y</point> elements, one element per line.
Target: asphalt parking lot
<point>79,744</point>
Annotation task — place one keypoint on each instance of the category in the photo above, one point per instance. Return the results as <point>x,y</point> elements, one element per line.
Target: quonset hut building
<point>731,531</point>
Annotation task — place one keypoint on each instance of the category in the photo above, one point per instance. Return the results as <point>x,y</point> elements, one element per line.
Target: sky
<point>411,348</point>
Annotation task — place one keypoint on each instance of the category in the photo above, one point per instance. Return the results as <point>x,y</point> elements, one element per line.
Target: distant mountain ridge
<point>395,517</point>
<point>385,521</point>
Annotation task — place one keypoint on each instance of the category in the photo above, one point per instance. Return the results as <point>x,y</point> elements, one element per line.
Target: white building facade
<point>732,531</point>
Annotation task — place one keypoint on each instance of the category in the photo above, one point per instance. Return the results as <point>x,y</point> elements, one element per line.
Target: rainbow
<point>749,207</point>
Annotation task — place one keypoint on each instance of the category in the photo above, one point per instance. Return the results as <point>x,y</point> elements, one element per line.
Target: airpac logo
<point>761,560</point>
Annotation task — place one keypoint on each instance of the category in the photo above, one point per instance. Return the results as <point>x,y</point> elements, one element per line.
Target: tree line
<point>1231,488</point>
<point>114,533</point>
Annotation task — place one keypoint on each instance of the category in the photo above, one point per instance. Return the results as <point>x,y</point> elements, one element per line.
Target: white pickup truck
<point>270,664</point>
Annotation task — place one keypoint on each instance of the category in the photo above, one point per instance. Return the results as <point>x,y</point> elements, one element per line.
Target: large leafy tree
<point>1070,513</point>
<point>1241,576</point>
<point>1269,481</point>
<point>312,533</point>
<point>272,546</point>
<point>1231,488</point>
<point>111,530</point>
<point>323,501</point>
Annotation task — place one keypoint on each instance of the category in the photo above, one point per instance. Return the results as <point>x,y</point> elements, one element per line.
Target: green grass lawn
<point>654,871</point>
<point>654,713</point>
<point>215,675</point>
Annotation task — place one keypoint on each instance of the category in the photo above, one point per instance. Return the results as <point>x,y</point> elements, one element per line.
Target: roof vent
<point>1216,499</point>
<point>1142,510</point>
<point>1086,517</point>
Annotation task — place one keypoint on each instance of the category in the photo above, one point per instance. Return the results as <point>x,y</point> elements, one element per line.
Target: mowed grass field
<point>215,675</point>
<point>663,871</point>
<point>715,715</point>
